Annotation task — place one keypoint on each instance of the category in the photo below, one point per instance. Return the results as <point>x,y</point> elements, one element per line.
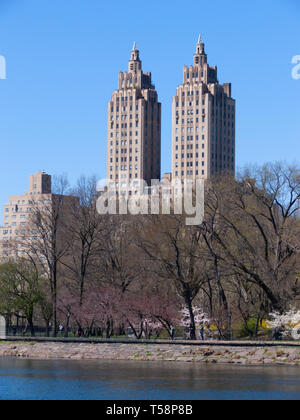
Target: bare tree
<point>174,252</point>
<point>85,235</point>
<point>121,264</point>
<point>47,231</point>
<point>255,230</point>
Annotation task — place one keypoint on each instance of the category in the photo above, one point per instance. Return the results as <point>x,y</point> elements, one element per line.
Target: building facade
<point>16,217</point>
<point>134,127</point>
<point>203,122</point>
<point>20,235</point>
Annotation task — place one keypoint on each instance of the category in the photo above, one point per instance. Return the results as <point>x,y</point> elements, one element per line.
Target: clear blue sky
<point>63,59</point>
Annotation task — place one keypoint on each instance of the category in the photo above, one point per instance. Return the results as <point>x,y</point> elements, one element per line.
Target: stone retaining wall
<point>152,352</point>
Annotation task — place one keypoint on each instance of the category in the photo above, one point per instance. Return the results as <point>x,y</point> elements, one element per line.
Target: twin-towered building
<point>203,142</point>
<point>203,124</point>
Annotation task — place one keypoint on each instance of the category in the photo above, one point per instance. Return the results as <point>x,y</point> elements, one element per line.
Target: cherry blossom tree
<point>288,323</point>
<point>200,316</point>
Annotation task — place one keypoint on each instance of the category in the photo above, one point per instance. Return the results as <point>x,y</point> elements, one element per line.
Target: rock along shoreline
<point>212,353</point>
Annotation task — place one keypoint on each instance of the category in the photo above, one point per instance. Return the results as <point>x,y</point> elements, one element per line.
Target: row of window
<point>6,231</point>
<point>190,130</point>
<point>190,112</point>
<point>19,239</point>
<point>124,151</point>
<point>122,134</point>
<point>188,103</point>
<point>124,168</point>
<point>21,231</point>
<point>190,156</point>
<point>190,138</point>
<point>192,93</point>
<point>124,117</point>
<point>195,76</point>
<point>17,209</point>
<point>124,99</point>
<point>123,126</point>
<point>14,224</point>
<point>190,173</point>
<point>189,147</point>
<point>14,216</point>
<point>123,159</point>
<point>124,142</point>
<point>124,176</point>
<point>189,164</point>
<point>123,108</point>
<point>190,121</point>
<point>22,202</point>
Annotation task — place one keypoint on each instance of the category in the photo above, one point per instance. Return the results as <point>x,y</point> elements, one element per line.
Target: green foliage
<point>251,326</point>
<point>20,288</point>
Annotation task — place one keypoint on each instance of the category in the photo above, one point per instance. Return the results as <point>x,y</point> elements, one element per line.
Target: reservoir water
<point>115,380</point>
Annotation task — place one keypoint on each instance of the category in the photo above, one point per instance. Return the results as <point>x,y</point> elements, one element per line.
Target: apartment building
<point>203,122</point>
<point>18,233</point>
<point>134,127</point>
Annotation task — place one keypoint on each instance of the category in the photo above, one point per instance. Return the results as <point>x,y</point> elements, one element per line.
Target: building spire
<point>200,48</point>
<point>135,63</point>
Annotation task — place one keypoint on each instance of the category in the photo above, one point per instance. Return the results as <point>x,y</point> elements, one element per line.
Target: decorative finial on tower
<point>200,48</point>
<point>134,47</point>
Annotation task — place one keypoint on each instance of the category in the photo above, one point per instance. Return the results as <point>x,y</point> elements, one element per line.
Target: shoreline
<point>251,354</point>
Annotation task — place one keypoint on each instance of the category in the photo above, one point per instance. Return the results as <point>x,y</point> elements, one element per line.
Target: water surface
<point>115,380</point>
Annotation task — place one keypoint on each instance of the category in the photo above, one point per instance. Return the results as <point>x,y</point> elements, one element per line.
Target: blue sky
<point>63,59</point>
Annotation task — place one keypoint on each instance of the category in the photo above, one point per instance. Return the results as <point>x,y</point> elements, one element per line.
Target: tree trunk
<point>31,327</point>
<point>54,301</point>
<point>47,329</point>
<point>108,329</point>
<point>189,305</point>
<point>67,326</point>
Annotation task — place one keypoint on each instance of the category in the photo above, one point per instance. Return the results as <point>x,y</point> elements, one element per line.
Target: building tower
<point>134,127</point>
<point>203,120</point>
